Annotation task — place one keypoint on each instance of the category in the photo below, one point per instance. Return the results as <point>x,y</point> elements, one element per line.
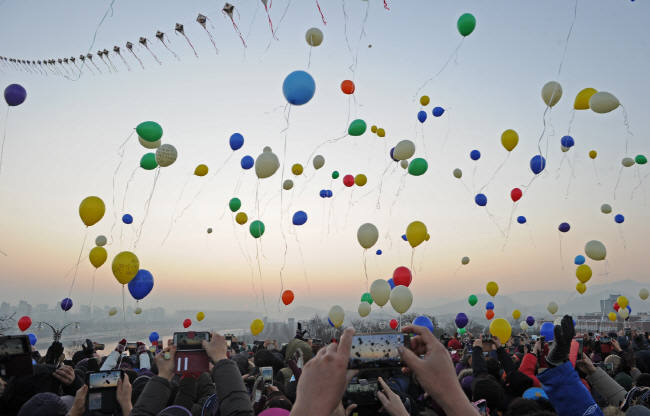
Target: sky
<point>62,145</point>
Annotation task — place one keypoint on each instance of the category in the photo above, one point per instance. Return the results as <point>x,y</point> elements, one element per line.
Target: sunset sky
<point>62,145</point>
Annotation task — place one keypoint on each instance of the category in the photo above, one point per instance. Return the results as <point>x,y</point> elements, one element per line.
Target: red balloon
<point>187,323</point>
<point>393,323</point>
<point>347,87</point>
<point>616,306</point>
<point>24,323</point>
<point>348,180</point>
<point>287,297</point>
<point>489,314</point>
<point>515,194</point>
<point>402,276</point>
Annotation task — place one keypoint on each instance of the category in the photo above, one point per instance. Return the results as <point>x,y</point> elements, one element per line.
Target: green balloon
<point>150,131</point>
<point>462,330</point>
<point>235,204</point>
<point>257,228</point>
<point>357,128</point>
<point>335,175</point>
<point>472,300</point>
<point>366,298</point>
<point>641,160</point>
<point>148,161</point>
<point>466,24</point>
<point>418,166</point>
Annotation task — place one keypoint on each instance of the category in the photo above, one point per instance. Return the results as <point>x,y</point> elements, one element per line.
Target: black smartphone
<point>229,339</point>
<point>512,349</point>
<point>102,391</point>
<point>190,340</point>
<point>377,350</point>
<point>486,338</point>
<point>99,347</point>
<point>543,340</point>
<point>131,347</point>
<point>363,393</point>
<point>15,356</point>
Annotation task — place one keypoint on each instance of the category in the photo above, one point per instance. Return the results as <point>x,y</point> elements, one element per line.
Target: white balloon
<point>404,164</point>
<point>138,310</point>
<point>364,309</point>
<point>319,162</point>
<point>166,155</point>
<point>603,102</point>
<point>112,311</point>
<point>288,184</point>
<point>367,235</point>
<point>551,93</point>
<point>623,313</point>
<point>401,299</point>
<point>380,292</point>
<point>627,162</point>
<point>150,145</point>
<point>605,208</point>
<point>643,294</point>
<point>465,260</point>
<point>336,315</point>
<point>558,321</point>
<point>404,150</point>
<point>552,307</point>
<point>595,250</point>
<point>267,150</point>
<point>266,164</point>
<point>523,325</point>
<point>564,149</point>
<point>314,36</point>
<point>100,241</point>
<point>458,173</point>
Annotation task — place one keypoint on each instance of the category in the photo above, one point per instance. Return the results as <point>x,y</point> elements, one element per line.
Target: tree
<point>7,322</point>
<point>73,347</point>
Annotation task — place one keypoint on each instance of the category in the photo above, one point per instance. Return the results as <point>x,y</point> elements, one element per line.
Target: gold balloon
<point>424,100</point>
<point>257,326</point>
<point>91,210</point>
<point>360,179</point>
<point>241,218</point>
<point>201,170</point>
<point>582,99</point>
<point>97,256</point>
<point>581,287</point>
<point>297,169</point>
<point>125,267</point>
<point>381,132</point>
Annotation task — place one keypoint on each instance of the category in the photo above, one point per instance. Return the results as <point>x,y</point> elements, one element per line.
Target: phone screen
<point>103,379</point>
<point>267,374</point>
<point>13,346</point>
<point>131,345</point>
<point>362,394</point>
<point>185,341</point>
<point>377,350</point>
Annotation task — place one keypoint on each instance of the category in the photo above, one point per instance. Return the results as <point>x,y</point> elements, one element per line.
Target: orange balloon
<point>489,314</point>
<point>347,87</point>
<point>287,297</point>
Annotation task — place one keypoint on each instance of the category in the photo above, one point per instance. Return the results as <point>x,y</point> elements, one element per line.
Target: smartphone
<point>609,366</point>
<point>267,375</point>
<point>363,393</point>
<point>190,340</point>
<point>543,340</point>
<point>102,391</point>
<point>512,349</point>
<point>131,347</point>
<point>575,353</point>
<point>152,349</point>
<point>605,341</point>
<point>481,405</point>
<point>486,338</point>
<point>377,350</point>
<point>99,347</point>
<point>628,333</point>
<point>15,356</point>
<point>284,344</point>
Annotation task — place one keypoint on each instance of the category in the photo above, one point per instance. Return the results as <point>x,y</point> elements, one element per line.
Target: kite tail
<point>100,71</point>
<point>239,33</point>
<point>79,69</point>
<point>175,56</point>
<point>270,22</point>
<point>152,54</point>
<point>188,41</point>
<point>107,66</point>
<point>111,62</point>
<point>73,73</point>
<point>136,57</point>
<point>321,13</point>
<point>125,63</point>
<point>386,5</point>
<point>212,40</point>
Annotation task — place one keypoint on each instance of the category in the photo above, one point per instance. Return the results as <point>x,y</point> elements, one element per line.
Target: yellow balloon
<point>201,170</point>
<point>502,329</point>
<point>516,314</point>
<point>97,256</point>
<point>424,100</point>
<point>582,99</point>
<point>509,139</point>
<point>373,129</point>
<point>583,273</point>
<point>360,179</point>
<point>492,289</point>
<point>381,132</point>
<point>593,154</point>
<point>200,316</point>
<point>91,210</point>
<point>427,237</point>
<point>581,288</point>
<point>296,169</point>
<point>241,218</point>
<point>125,266</point>
<point>643,294</point>
<point>622,302</point>
<point>257,326</point>
<point>612,316</point>
<point>416,232</point>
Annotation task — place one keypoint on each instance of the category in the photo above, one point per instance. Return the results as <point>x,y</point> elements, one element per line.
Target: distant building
<point>607,305</point>
<point>24,308</point>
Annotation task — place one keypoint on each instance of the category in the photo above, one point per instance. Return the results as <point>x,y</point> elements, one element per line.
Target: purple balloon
<point>530,321</point>
<point>66,304</point>
<point>15,95</point>
<point>564,227</point>
<point>461,320</point>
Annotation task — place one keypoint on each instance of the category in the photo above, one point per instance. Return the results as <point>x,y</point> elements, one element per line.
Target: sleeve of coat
<point>528,367</point>
<point>154,397</point>
<point>567,393</point>
<point>506,362</point>
<point>233,397</point>
<point>607,387</point>
<point>478,362</point>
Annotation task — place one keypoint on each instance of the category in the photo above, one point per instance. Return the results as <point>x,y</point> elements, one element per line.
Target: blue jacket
<point>567,393</point>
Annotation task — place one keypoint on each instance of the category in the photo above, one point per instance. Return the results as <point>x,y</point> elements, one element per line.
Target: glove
<point>88,349</point>
<point>140,348</point>
<point>121,346</point>
<point>54,353</point>
<point>563,335</point>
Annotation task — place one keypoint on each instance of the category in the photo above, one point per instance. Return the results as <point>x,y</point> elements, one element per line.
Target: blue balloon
<point>475,155</point>
<point>580,259</point>
<point>298,88</point>
<point>299,218</point>
<point>521,219</point>
<point>537,164</point>
<point>329,194</point>
<point>424,321</point>
<point>236,141</point>
<point>564,227</point>
<point>567,141</point>
<point>247,162</point>
<point>438,111</point>
<point>481,200</point>
<point>141,285</point>
<point>330,322</point>
<point>404,238</point>
<point>422,116</point>
<point>66,304</point>
<point>127,219</point>
<point>154,337</point>
<point>323,193</point>
<point>391,283</point>
<point>379,254</point>
<point>619,219</point>
<point>32,339</point>
<point>15,95</point>
<point>546,330</point>
<point>391,155</point>
<point>628,308</point>
<point>489,306</point>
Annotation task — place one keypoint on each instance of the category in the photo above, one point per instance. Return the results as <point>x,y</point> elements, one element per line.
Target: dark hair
<point>263,358</point>
<point>643,381</point>
<point>522,407</point>
<point>493,367</point>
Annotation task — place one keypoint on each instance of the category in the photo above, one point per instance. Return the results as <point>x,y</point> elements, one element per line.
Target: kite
<point>65,60</point>
<point>129,46</point>
<point>106,54</point>
<point>268,15</point>
<point>161,37</point>
<point>72,59</point>
<point>90,58</point>
<point>27,67</point>
<point>116,49</point>
<point>144,42</point>
<point>179,29</point>
<point>202,19</point>
<point>228,9</point>
<point>83,60</point>
<point>52,62</point>
<point>100,53</point>
<point>321,13</point>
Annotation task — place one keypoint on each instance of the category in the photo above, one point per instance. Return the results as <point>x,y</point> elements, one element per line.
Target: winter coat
<point>567,393</point>
<point>527,367</point>
<point>607,387</point>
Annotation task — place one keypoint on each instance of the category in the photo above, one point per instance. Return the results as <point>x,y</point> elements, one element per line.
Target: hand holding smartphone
<point>191,357</point>
<point>102,391</point>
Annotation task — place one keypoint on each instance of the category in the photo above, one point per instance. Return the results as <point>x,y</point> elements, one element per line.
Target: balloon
<point>348,180</point>
<point>623,313</point>
<point>641,160</point>
<point>360,179</point>
<point>373,129</point>
<point>564,149</point>
<point>66,304</point>
<point>552,307</point>
<point>489,306</point>
<point>97,256</point>
<point>424,321</point>
<point>603,102</point>
<point>537,164</point>
<point>422,116</point>
<point>516,194</point>
<point>612,316</point>
<point>502,329</point>
<point>201,170</point>
<point>424,100</point>
<point>149,131</point>
<point>401,299</point>
<point>364,309</point>
<point>521,219</point>
<point>472,300</point>
<point>329,194</point>
<point>318,162</point>
<point>438,111</point>
<point>336,314</point>
<point>200,316</point>
<point>298,88</point>
<point>458,173</point>
<point>288,184</point>
<point>427,237</point>
<point>380,292</point>
<point>297,169</point>
<point>489,314</point>
<point>100,241</point>
<point>509,139</point>
<point>187,323</point>
<point>247,162</point>
<point>257,326</point>
<point>91,210</point>
<point>404,164</point>
<point>287,297</point>
<point>629,308</point>
<point>466,24</point>
<point>125,266</point>
<point>234,204</point>
<point>166,155</point>
<point>622,301</point>
<point>551,93</point>
<point>567,141</point>
<point>137,310</point>
<point>379,252</point>
<point>257,228</point>
<point>593,154</point>
<point>402,276</point>
<point>154,337</point>
<point>582,99</point>
<point>546,330</point>
<point>32,339</point>
<point>530,320</point>
<point>616,307</point>
<point>15,95</point>
<point>24,323</point>
<point>416,233</point>
<point>404,150</point>
<point>141,285</point>
<point>112,311</point>
<point>393,323</point>
<point>335,175</point>
<point>367,236</point>
<point>475,155</point>
<point>464,261</point>
<point>266,165</point>
<point>627,162</point>
<point>236,141</point>
<point>391,155</point>
<point>581,288</point>
<point>523,325</point>
<point>492,289</point>
<point>418,166</point>
<point>366,298</point>
<point>299,218</point>
<point>127,219</point>
<point>580,259</point>
<point>241,218</point>
<point>148,162</point>
<point>149,145</point>
<point>347,87</point>
<point>323,193</point>
<point>461,320</point>
<point>461,330</point>
<point>605,209</point>
<point>619,219</point>
<point>516,314</point>
<point>643,294</point>
<point>564,227</point>
<point>330,322</point>
<point>595,250</point>
<point>381,132</point>
<point>314,37</point>
<point>481,200</point>
<point>583,273</point>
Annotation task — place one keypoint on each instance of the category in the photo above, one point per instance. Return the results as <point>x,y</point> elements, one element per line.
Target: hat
<point>454,344</point>
<point>637,411</point>
<point>638,396</point>
<point>517,383</point>
<point>210,406</point>
<point>44,404</point>
<point>78,356</point>
<point>488,389</point>
<point>625,381</point>
<point>466,384</point>
<point>175,411</point>
<point>68,401</point>
<point>534,393</point>
<point>294,345</point>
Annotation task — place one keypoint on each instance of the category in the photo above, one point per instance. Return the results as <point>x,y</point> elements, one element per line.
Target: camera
<point>15,356</point>
<point>190,354</point>
<point>605,340</point>
<point>363,393</point>
<point>267,375</point>
<point>300,334</point>
<point>102,391</point>
<point>99,347</point>
<point>486,338</point>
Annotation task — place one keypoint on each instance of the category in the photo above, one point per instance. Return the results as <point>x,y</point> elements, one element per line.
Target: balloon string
<point>321,13</point>
<point>92,290</point>
<point>124,309</point>
<point>171,220</point>
<point>115,174</point>
<point>620,231</point>
<point>441,69</point>
<point>304,269</point>
<point>412,256</point>
<point>619,180</point>
<point>4,135</point>
<point>640,185</point>
<point>248,259</point>
<point>426,244</point>
<point>561,259</point>
<point>572,175</point>
<point>259,267</point>
<point>78,261</point>
<point>147,205</point>
<point>495,173</point>
<point>356,58</point>
<point>284,164</point>
<point>627,126</point>
<point>365,268</point>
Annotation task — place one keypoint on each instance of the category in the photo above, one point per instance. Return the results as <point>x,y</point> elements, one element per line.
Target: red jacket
<point>528,367</point>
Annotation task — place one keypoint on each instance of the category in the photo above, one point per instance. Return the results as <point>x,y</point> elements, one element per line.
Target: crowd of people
<point>452,376</point>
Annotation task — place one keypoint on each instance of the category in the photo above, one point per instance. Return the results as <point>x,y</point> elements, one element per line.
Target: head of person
<point>493,367</point>
<point>263,358</point>
<point>489,390</point>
